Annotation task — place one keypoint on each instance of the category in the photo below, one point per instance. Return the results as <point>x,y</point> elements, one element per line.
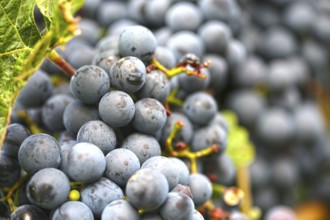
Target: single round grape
<point>179,13</point>
<point>196,215</point>
<point>98,133</point>
<point>86,162</point>
<point>155,12</point>
<point>48,188</point>
<point>10,170</point>
<point>285,173</point>
<point>16,134</point>
<point>236,54</point>
<point>219,119</point>
<point>224,10</point>
<point>200,108</point>
<point>279,76</point>
<point>78,53</point>
<point>150,116</point>
<point>128,74</point>
<point>76,114</point>
<point>157,86</point>
<point>70,210</point>
<point>200,187</point>
<point>109,12</point>
<point>259,172</point>
<point>119,209</point>
<point>107,43</point>
<point>177,206</point>
<point>143,146</point>
<point>36,90</point>
<point>89,31</point>
<point>147,189</point>
<point>89,84</point>
<point>25,212</point>
<point>4,208</point>
<point>215,35</point>
<point>121,164</point>
<point>117,108</point>
<point>53,110</point>
<point>39,151</point>
<point>137,41</point>
<point>100,193</point>
<point>166,167</point>
<point>182,189</point>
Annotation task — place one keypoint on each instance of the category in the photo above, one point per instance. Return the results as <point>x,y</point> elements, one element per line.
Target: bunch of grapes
<point>177,110</point>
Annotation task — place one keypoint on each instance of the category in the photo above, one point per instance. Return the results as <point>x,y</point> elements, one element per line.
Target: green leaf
<point>23,48</point>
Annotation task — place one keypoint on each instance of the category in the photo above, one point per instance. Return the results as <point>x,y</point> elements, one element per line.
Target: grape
<point>200,187</point>
<point>128,74</point>
<point>177,206</point>
<point>182,169</point>
<point>150,116</point>
<point>25,212</point>
<point>70,209</point>
<point>247,104</point>
<point>259,172</point>
<point>300,17</point>
<point>4,209</point>
<point>236,54</point>
<point>236,215</point>
<point>182,189</point>
<point>137,41</point>
<point>90,7</point>
<point>89,84</point>
<point>179,13</point>
<point>192,84</point>
<point>200,108</point>
<point>121,164</point>
<point>166,167</point>
<point>155,12</point>
<point>147,189</point>
<point>117,108</point>
<point>156,86</point>
<point>143,146</point>
<point>275,127</point>
<point>285,173</point>
<point>36,91</point>
<point>309,123</point>
<point>16,134</point>
<point>86,162</point>
<point>9,170</point>
<point>39,151</point>
<point>320,28</point>
<point>66,136</point>
<point>135,10</point>
<point>184,42</point>
<point>90,31</point>
<point>98,133</point>
<point>100,193</point>
<point>252,73</point>
<point>48,188</point>
<point>265,15</point>
<point>219,119</point>
<point>162,35</point>
<point>266,197</point>
<point>76,114</point>
<point>109,12</point>
<point>196,215</point>
<point>277,43</point>
<point>53,110</point>
<point>280,76</point>
<point>119,209</point>
<point>215,35</point>
<point>280,212</point>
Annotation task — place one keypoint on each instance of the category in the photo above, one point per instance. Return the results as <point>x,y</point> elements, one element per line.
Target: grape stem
<point>60,62</point>
<point>184,151</point>
<point>12,190</point>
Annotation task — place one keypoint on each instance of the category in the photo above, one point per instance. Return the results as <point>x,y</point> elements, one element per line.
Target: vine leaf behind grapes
<point>23,47</point>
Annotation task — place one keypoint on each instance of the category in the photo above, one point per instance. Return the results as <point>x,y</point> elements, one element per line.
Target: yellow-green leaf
<point>23,47</point>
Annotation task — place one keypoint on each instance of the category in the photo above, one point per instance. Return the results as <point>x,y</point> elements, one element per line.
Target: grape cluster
<point>142,129</point>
